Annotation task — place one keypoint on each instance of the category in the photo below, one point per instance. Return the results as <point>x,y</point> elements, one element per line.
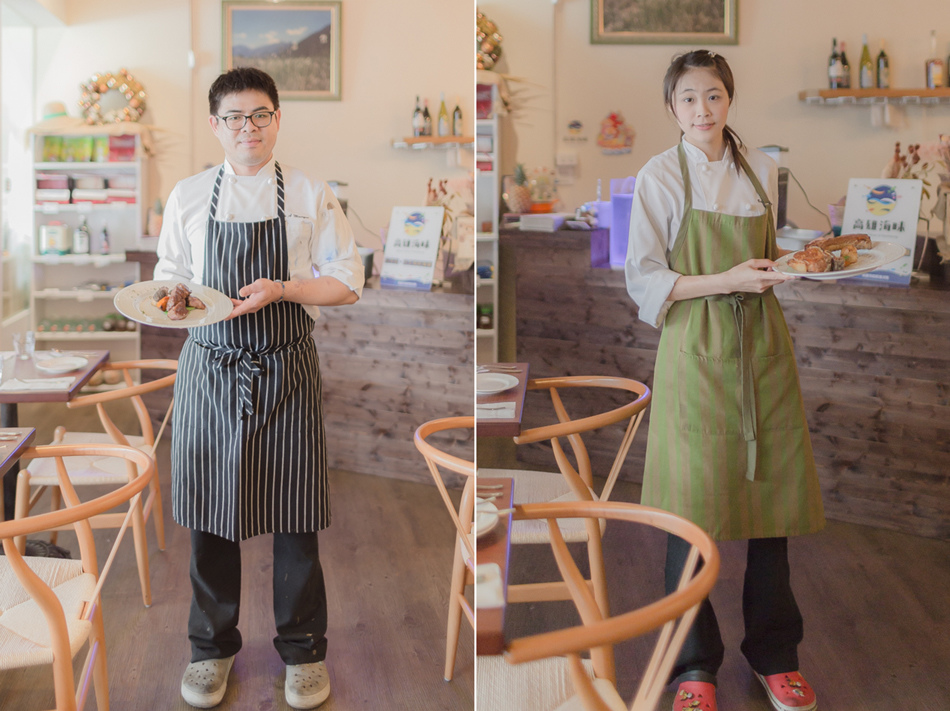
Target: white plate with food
<point>491,383</point>
<point>486,517</point>
<point>62,364</point>
<point>172,303</point>
<point>879,255</point>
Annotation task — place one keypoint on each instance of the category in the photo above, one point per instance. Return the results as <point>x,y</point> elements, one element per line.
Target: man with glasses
<point>248,452</point>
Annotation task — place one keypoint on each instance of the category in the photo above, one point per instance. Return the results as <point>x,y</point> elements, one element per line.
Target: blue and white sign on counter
<point>412,246</point>
<point>887,210</point>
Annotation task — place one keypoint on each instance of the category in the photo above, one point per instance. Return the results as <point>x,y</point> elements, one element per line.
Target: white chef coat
<point>658,202</point>
<point>318,234</point>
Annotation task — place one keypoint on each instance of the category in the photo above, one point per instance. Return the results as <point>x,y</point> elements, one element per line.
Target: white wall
<point>391,52</point>
<point>783,48</point>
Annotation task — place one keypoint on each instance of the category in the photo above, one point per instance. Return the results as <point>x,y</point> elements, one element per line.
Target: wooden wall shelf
<point>838,97</point>
<point>422,142</point>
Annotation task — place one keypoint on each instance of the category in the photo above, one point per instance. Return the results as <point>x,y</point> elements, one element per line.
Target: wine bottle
<point>426,119</point>
<point>834,66</point>
<point>866,67</point>
<point>883,69</point>
<point>418,122</point>
<point>81,238</point>
<point>444,126</point>
<point>457,119</point>
<point>934,65</point>
<point>104,247</point>
<point>845,68</point>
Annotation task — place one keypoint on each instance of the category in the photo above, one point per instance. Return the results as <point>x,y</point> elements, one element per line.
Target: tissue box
<point>544,222</point>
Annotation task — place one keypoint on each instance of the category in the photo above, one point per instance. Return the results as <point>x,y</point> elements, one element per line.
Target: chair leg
<point>21,507</point>
<point>598,577</point>
<point>141,552</point>
<point>100,673</point>
<point>55,499</point>
<point>157,515</point>
<point>454,626</point>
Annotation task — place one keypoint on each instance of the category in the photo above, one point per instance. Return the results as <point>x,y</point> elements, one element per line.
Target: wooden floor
<point>876,605</point>
<point>387,560</point>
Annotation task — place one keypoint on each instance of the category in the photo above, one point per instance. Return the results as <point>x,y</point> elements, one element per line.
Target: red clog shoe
<point>695,696</point>
<point>789,692</point>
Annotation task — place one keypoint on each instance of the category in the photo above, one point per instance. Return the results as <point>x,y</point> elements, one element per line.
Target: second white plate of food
<point>62,364</point>
<point>881,254</point>
<point>491,383</point>
<point>486,517</point>
<point>137,302</point>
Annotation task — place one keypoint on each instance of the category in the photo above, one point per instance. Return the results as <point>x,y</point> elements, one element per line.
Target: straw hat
<point>55,117</point>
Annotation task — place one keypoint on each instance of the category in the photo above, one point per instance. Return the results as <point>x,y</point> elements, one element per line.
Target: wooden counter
<point>874,364</point>
<point>389,363</point>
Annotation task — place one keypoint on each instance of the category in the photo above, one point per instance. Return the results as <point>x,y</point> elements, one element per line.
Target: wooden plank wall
<point>874,364</point>
<point>389,363</point>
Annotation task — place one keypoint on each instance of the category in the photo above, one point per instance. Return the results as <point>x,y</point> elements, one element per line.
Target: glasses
<point>261,119</point>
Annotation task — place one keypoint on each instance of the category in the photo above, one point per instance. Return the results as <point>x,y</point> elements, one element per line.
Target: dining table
<point>492,556</point>
<point>499,398</point>
<point>13,440</point>
<point>28,380</point>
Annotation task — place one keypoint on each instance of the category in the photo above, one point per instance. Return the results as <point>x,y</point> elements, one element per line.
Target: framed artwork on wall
<point>297,43</point>
<point>691,22</point>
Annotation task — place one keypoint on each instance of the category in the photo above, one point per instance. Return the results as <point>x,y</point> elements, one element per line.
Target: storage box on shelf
<point>96,177</point>
<point>487,211</point>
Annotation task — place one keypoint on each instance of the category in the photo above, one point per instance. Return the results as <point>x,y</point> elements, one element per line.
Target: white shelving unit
<point>487,211</point>
<point>72,294</point>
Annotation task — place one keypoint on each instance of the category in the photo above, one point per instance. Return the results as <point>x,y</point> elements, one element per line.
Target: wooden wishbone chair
<point>51,606</point>
<point>89,471</point>
<point>533,672</point>
<point>570,483</point>
<point>463,567</point>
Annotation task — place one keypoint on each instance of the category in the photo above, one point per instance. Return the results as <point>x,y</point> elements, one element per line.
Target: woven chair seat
<point>533,487</point>
<point>86,471</point>
<point>544,685</point>
<point>24,631</point>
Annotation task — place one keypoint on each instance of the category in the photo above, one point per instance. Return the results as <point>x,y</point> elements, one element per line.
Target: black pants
<point>773,623</point>
<point>300,600</point>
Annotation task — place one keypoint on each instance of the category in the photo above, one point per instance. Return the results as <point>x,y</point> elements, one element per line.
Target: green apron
<point>728,445</point>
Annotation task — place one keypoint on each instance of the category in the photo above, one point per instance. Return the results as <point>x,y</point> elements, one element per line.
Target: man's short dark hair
<point>241,79</point>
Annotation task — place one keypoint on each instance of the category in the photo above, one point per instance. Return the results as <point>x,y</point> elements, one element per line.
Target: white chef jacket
<point>318,234</point>
<point>657,213</point>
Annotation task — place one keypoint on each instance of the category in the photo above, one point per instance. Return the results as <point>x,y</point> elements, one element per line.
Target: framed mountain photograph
<point>297,43</point>
<point>693,22</point>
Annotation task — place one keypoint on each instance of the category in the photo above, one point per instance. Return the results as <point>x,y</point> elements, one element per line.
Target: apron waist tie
<point>249,367</point>
<point>746,385</point>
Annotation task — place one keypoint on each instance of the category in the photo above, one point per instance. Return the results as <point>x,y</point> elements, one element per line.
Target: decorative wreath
<point>487,42</point>
<point>99,85</point>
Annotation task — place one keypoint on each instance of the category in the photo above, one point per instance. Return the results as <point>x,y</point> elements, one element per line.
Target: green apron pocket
<point>709,392</point>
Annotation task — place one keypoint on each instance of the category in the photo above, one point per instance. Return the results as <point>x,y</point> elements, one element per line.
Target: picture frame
<point>664,22</point>
<point>298,43</point>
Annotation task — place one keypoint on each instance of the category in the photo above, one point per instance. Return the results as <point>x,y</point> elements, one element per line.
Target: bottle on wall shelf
<point>418,122</point>
<point>845,67</point>
<point>866,66</point>
<point>883,69</point>
<point>457,119</point>
<point>104,241</point>
<point>444,127</point>
<point>81,238</point>
<point>835,68</point>
<point>426,118</point>
<point>934,65</point>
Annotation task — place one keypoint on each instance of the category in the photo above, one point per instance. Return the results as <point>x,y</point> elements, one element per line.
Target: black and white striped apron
<point>248,451</point>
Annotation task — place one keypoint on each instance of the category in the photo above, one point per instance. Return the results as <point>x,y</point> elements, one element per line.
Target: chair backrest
<point>439,460</point>
<point>674,613</point>
<point>78,514</point>
<point>632,411</point>
<point>132,392</point>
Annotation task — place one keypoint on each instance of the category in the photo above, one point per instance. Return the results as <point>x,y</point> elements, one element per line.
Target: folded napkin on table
<point>16,384</point>
<point>496,411</point>
<point>488,589</point>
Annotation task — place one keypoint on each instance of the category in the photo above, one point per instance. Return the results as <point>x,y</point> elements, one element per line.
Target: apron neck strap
<point>279,174</point>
